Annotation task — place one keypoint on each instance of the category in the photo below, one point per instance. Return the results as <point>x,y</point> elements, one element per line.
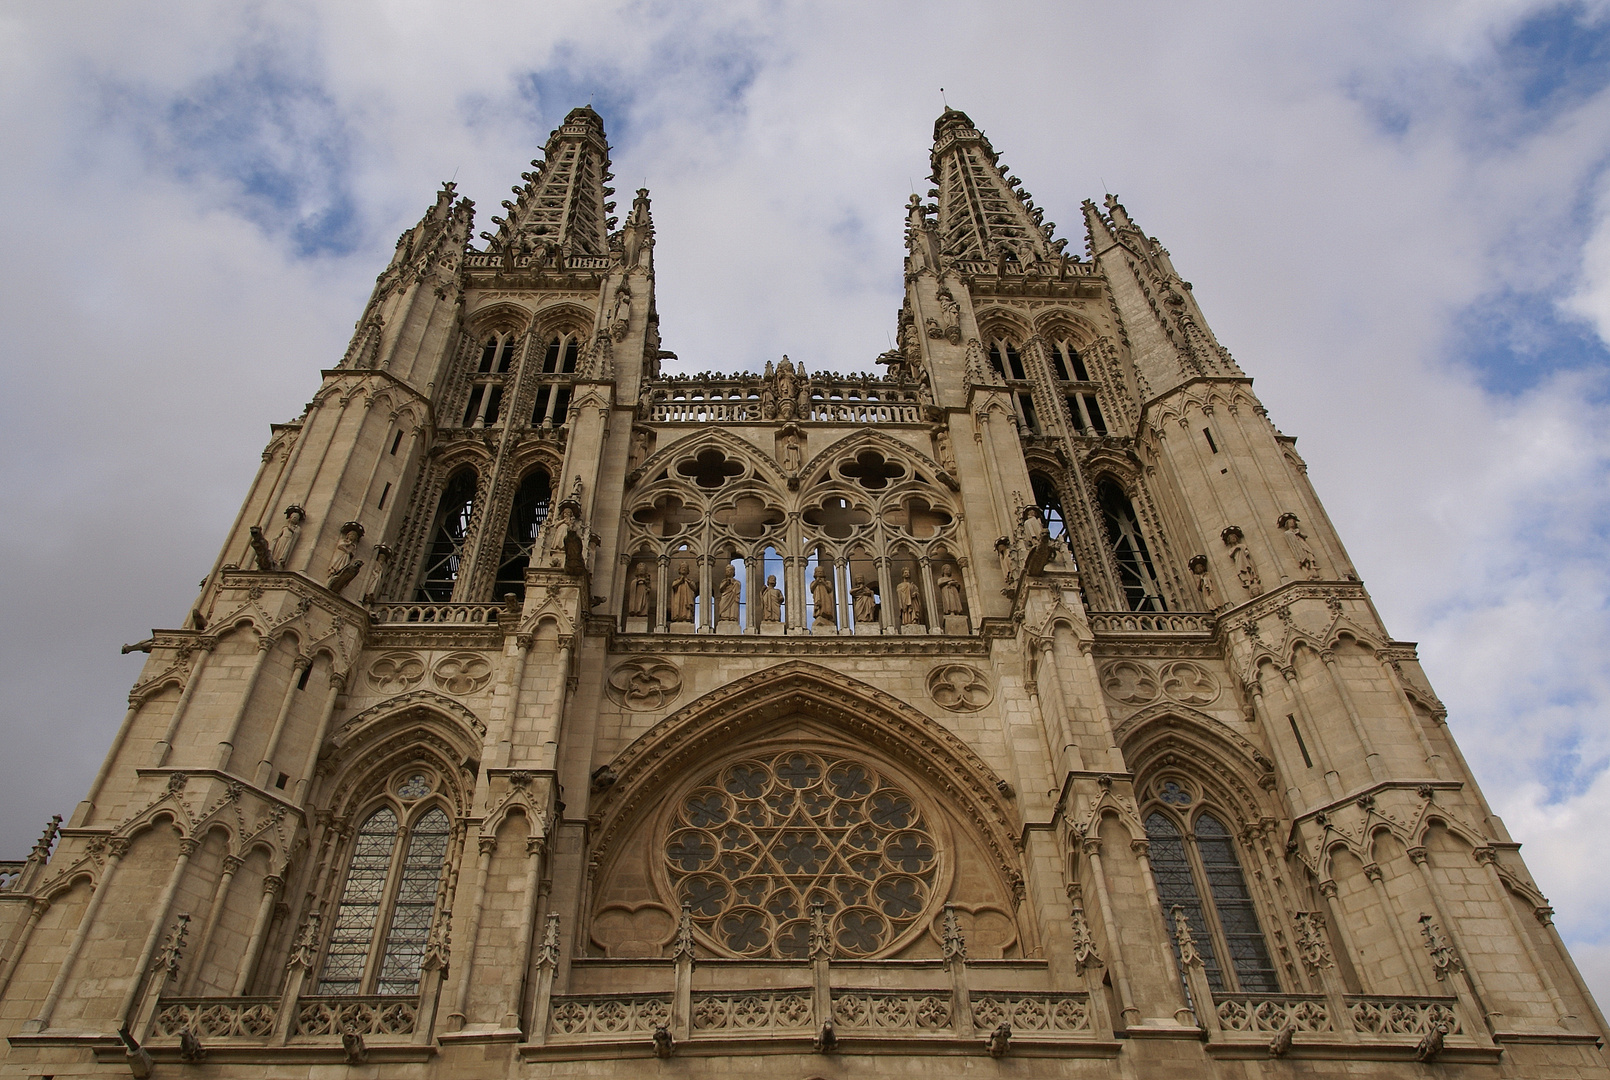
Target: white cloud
<point>1345,186</point>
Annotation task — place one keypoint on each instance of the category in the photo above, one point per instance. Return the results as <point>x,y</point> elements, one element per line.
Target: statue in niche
<point>639,452</point>
<point>566,538</point>
<point>866,601</point>
<point>728,596</point>
<point>793,455</point>
<point>909,598</point>
<point>683,594</point>
<point>947,457</point>
<point>771,601</point>
<point>343,565</point>
<point>383,557</point>
<point>280,553</point>
<point>1307,562</point>
<point>785,389</point>
<point>950,592</point>
<point>1204,583</point>
<point>822,597</point>
<point>951,309</point>
<point>623,312</point>
<point>1242,560</point>
<point>638,599</point>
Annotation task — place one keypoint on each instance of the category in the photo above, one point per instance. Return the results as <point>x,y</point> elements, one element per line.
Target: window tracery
<point>390,893</point>
<point>1197,869</point>
<point>758,843</point>
<point>1136,576</point>
<point>532,500</point>
<point>555,378</point>
<point>487,386</point>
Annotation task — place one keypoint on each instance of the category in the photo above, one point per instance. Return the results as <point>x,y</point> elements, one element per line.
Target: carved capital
<point>1417,855</point>
<point>1372,871</point>
<point>1485,856</point>
<point>188,847</point>
<point>488,845</point>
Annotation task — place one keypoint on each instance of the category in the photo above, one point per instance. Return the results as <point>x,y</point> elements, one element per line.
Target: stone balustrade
<point>439,614</point>
<point>1135,622</point>
<point>256,1019</point>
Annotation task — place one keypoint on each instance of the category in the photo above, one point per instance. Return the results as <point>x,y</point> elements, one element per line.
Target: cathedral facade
<point>546,714</point>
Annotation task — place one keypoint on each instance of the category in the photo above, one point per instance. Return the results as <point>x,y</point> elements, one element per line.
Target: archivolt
<point>1203,747</point>
<point>859,712</point>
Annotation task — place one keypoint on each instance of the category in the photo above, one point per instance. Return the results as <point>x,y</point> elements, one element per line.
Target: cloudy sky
<point>1396,215</point>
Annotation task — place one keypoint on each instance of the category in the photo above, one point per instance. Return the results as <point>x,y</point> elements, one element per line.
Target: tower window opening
<point>1069,364</point>
<point>1060,365</point>
<point>301,680</point>
<point>531,504</point>
<point>1031,420</point>
<point>1085,414</point>
<point>1136,576</point>
<point>396,442</point>
<point>381,505</point>
<point>1004,358</point>
<point>1208,435</point>
<point>453,516</point>
<point>1097,424</point>
<point>1049,499</point>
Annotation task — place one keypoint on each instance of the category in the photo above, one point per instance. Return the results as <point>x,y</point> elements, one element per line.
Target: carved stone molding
<point>395,673</point>
<point>462,673</point>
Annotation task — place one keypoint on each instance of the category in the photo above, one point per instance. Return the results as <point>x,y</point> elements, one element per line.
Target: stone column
<point>1395,675</point>
<point>1418,855</point>
<point>1372,871</point>
<point>466,964</point>
<point>164,745</point>
<point>1143,860</point>
<point>338,682</point>
<point>535,847</point>
<point>254,947</point>
<point>187,848</point>
<point>265,767</point>
<point>1327,889</point>
<point>932,618</point>
<point>1372,759</point>
<point>117,847</point>
<point>1333,779</point>
<point>87,806</point>
<point>226,747</point>
<point>8,963</point>
<point>1487,857</point>
<point>220,896</point>
<point>1091,845</point>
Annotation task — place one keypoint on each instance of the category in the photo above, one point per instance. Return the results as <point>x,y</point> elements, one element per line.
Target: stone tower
<point>547,712</point>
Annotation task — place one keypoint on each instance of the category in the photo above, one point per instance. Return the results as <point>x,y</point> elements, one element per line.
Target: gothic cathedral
<point>548,714</point>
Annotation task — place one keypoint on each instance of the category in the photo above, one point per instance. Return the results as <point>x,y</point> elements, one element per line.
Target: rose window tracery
<point>757,844</point>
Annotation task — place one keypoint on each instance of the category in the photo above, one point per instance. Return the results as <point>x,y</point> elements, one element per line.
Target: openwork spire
<point>561,208</point>
<point>983,212</point>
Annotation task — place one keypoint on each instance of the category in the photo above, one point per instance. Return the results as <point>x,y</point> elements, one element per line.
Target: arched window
<point>486,391</point>
<point>1135,573</point>
<point>526,516</point>
<point>442,561</point>
<point>1005,359</point>
<point>1049,499</point>
<point>377,940</point>
<point>1069,365</point>
<point>1204,880</point>
<point>559,360</point>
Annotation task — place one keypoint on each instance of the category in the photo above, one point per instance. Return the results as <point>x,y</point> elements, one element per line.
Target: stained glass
<point>1237,915</point>
<point>359,913</point>
<point>416,905</point>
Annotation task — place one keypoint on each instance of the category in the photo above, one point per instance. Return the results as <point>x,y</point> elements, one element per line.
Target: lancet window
<point>1048,497</point>
<point>1194,861</point>
<point>486,389</point>
<point>555,379</point>
<point>1136,576</point>
<point>444,558</point>
<point>531,503</point>
<point>390,894</point>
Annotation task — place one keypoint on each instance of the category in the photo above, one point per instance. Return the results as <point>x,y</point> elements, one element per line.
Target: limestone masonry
<point>546,715</point>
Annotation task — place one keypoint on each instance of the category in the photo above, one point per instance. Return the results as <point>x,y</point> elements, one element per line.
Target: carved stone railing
<point>609,1014</point>
<point>1403,1016</point>
<point>216,1018</point>
<point>892,1012</point>
<point>753,1011</point>
<point>366,1016</point>
<point>739,402</point>
<point>1136,622</point>
<point>480,260</point>
<point>10,874</point>
<point>1270,1014</point>
<point>439,614</point>
<point>1033,1013</point>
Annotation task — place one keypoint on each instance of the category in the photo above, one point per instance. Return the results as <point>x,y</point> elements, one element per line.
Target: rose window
<point>757,845</point>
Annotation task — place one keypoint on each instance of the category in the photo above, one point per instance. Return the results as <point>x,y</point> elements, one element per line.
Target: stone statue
<point>639,451</point>
<point>948,305</point>
<point>786,387</point>
<point>822,597</point>
<point>910,601</point>
<point>1307,562</point>
<point>683,593</point>
<point>343,566</point>
<point>866,601</point>
<point>1204,583</point>
<point>768,403</point>
<point>286,540</point>
<point>1242,558</point>
<point>793,456</point>
<point>947,457</point>
<point>950,592</point>
<point>260,552</point>
<point>383,557</point>
<point>565,539</point>
<point>638,599</point>
<point>771,601</point>
<point>728,596</point>
<point>623,312</point>
<point>803,406</point>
